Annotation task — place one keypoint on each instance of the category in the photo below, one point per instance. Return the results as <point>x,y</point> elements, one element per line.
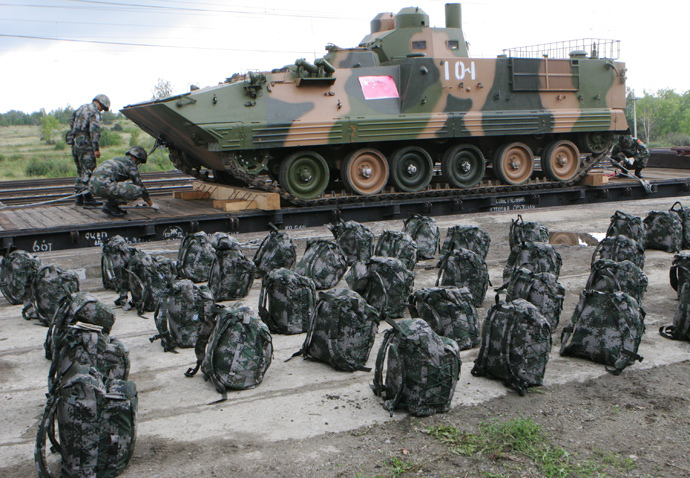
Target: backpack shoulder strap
<point>161,315</point>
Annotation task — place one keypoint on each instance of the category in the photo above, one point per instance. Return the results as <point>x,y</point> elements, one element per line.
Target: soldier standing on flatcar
<point>118,180</point>
<point>633,148</point>
<point>84,136</point>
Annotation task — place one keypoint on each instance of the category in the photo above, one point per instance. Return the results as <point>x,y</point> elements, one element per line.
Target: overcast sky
<point>55,53</point>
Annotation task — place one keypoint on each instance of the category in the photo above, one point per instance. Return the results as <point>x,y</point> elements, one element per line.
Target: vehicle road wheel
<point>513,163</point>
<point>596,142</point>
<point>560,161</point>
<point>411,169</point>
<point>463,165</point>
<point>304,174</point>
<point>364,172</point>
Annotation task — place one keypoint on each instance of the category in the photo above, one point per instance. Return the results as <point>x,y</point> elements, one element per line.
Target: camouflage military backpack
<point>383,282</point>
<point>424,231</point>
<point>679,273</point>
<point>180,311</point>
<point>606,328</point>
<point>664,231</point>
<point>467,237</point>
<point>91,411</point>
<point>323,262</point>
<point>684,215</point>
<point>399,245</point>
<point>535,256</point>
<point>89,396</point>
<point>619,249</point>
<point>234,349</point>
<point>115,254</point>
<point>355,239</point>
<point>611,276</point>
<point>79,334</point>
<point>342,331</point>
<point>421,369</point>
<point>287,301</point>
<point>232,276</point>
<point>50,286</point>
<point>624,224</point>
<point>464,268</point>
<point>521,232</point>
<point>17,272</point>
<point>541,289</point>
<point>515,346</point>
<point>195,257</point>
<point>276,251</point>
<point>680,330</point>
<point>449,311</point>
<point>149,276</point>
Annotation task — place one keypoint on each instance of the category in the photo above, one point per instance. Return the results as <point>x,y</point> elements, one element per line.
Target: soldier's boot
<point>122,300</point>
<point>638,172</point>
<point>89,200</point>
<point>111,209</point>
<point>79,200</point>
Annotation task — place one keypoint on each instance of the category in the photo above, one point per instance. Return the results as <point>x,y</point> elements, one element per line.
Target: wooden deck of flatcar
<point>55,227</point>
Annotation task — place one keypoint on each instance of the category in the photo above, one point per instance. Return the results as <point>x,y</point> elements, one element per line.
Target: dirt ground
<point>594,423</point>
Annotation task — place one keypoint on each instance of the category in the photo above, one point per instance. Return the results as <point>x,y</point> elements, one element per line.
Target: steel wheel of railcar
<point>304,174</point>
<point>597,142</point>
<point>364,172</point>
<point>463,165</point>
<point>513,163</point>
<point>411,169</point>
<point>560,161</point>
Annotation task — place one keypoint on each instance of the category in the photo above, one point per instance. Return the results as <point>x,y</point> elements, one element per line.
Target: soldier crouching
<point>118,180</point>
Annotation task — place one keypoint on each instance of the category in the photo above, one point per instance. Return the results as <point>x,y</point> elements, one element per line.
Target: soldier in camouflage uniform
<point>84,136</point>
<point>118,181</point>
<point>633,148</point>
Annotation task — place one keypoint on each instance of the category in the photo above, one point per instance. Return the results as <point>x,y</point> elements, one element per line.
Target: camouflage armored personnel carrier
<point>405,106</point>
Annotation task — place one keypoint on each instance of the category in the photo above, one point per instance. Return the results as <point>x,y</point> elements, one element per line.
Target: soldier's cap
<point>104,101</point>
<point>138,152</point>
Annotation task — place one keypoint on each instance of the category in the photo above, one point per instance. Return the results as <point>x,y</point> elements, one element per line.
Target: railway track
<point>60,191</point>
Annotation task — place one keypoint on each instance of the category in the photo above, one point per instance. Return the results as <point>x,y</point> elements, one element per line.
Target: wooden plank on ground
<point>230,198</point>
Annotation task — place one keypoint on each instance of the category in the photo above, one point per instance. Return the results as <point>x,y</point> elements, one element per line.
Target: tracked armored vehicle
<point>405,107</point>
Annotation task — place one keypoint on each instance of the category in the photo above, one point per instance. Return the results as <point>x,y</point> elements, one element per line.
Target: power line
<point>147,45</point>
<point>117,6</point>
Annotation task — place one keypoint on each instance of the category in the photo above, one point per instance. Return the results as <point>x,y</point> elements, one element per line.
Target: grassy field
<point>25,155</point>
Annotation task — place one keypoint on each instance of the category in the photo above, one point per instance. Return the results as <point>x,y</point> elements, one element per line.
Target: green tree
<point>163,89</point>
<point>49,124</point>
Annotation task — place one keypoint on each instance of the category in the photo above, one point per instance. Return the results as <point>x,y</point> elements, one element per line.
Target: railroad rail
<point>60,190</point>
